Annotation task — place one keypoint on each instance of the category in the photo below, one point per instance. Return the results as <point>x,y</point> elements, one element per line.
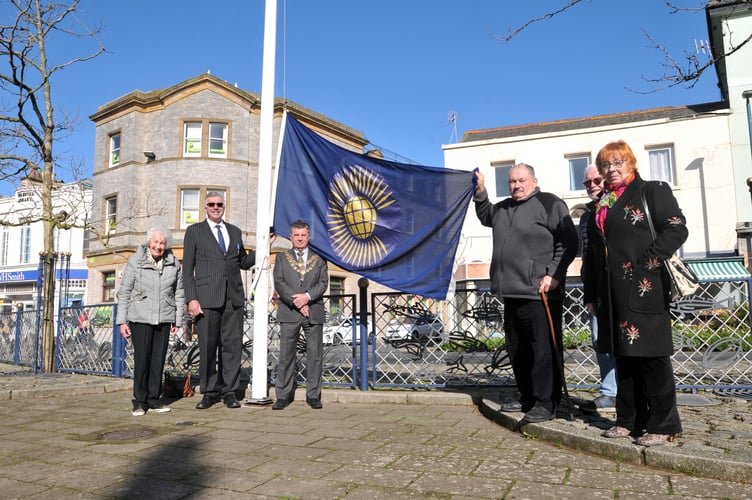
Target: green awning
<point>720,270</point>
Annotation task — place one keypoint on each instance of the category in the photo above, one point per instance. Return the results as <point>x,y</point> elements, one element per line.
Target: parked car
<point>426,327</point>
<point>341,332</point>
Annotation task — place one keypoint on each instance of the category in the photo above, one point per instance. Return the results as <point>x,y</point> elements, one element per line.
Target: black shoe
<point>514,406</point>
<point>606,404</point>
<point>206,402</point>
<point>538,414</point>
<point>279,404</point>
<point>315,403</point>
<point>231,401</point>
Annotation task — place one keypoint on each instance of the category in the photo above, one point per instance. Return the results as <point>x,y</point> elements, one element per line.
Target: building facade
<point>702,151</point>
<point>158,153</point>
<point>22,239</point>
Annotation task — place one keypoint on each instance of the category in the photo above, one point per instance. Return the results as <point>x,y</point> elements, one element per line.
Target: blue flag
<point>394,223</point>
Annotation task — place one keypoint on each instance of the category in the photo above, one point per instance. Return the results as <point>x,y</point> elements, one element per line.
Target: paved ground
<point>66,436</point>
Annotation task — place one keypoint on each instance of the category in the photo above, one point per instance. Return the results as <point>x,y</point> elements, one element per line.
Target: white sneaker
<point>138,412</point>
<point>160,409</point>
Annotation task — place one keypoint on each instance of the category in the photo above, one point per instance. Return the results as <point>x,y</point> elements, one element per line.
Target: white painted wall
<point>704,177</point>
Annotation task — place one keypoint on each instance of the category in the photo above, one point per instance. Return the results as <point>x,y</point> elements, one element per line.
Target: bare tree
<point>685,69</point>
<point>29,125</point>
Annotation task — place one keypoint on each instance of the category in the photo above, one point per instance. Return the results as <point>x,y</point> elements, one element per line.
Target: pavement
<point>72,436</point>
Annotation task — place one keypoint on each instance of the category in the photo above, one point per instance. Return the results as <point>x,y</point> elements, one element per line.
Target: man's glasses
<point>616,164</point>
<point>212,205</point>
<point>597,181</point>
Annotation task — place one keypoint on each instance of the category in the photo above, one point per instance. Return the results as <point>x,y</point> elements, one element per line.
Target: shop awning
<point>719,270</point>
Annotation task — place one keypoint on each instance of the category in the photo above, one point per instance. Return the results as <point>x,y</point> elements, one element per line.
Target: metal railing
<point>415,342</point>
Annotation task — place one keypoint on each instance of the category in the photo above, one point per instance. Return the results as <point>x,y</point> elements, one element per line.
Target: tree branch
<point>520,29</point>
<point>689,74</point>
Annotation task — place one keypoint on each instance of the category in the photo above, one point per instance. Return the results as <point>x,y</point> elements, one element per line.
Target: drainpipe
<point>747,95</point>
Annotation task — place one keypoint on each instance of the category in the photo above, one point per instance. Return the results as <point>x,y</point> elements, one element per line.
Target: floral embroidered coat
<point>624,275</point>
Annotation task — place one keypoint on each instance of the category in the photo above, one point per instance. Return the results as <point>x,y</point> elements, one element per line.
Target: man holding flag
<point>534,241</point>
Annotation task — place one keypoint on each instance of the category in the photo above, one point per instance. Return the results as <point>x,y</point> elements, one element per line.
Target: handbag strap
<point>647,212</point>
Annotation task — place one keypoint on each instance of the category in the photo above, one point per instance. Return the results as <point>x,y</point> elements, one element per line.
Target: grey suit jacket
<point>207,272</point>
<point>288,281</point>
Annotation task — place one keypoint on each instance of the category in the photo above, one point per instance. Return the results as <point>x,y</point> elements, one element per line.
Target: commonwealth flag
<point>394,223</point>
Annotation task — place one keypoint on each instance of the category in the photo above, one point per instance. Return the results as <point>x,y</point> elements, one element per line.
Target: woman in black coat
<point>626,281</point>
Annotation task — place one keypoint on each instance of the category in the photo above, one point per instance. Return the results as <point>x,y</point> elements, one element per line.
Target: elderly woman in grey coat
<point>151,304</point>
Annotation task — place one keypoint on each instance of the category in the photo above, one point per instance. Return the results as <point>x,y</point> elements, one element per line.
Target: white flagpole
<point>278,162</point>
<point>263,222</point>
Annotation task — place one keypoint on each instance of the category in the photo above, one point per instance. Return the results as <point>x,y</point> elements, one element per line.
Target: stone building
<point>157,153</point>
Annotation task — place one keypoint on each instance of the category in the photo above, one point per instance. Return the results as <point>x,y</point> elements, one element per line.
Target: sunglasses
<point>212,205</point>
<point>597,181</point>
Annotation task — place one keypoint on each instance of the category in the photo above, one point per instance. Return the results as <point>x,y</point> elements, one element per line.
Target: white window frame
<point>4,246</point>
<point>114,155</point>
<point>218,141</point>
<point>25,250</point>
<point>661,163</point>
<point>501,178</point>
<point>192,143</point>
<point>190,210</point>
<point>110,217</point>
<point>577,164</point>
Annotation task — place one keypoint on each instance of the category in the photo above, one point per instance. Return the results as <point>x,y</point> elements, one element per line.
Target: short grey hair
<point>166,234</point>
<point>529,168</point>
<point>214,194</point>
<point>590,167</point>
<point>300,224</point>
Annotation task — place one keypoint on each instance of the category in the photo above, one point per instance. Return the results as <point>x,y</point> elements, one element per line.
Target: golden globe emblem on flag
<point>360,217</point>
<point>360,204</point>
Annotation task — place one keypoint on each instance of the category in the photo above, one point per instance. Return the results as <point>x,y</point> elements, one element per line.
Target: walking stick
<point>558,355</point>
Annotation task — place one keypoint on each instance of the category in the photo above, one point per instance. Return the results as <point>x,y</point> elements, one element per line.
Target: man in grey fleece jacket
<point>534,241</point>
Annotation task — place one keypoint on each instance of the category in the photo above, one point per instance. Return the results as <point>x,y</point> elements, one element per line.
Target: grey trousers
<point>287,366</point>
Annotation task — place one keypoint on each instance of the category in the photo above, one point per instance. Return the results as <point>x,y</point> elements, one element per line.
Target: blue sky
<point>393,69</point>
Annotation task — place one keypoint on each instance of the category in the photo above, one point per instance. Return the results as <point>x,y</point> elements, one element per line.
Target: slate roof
<point>666,113</point>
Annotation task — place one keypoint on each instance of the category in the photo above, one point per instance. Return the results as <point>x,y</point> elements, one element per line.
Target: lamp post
<point>747,95</point>
<point>745,234</point>
<point>363,333</point>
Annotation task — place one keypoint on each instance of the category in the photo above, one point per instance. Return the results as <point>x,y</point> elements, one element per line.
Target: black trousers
<point>220,341</point>
<point>149,351</point>
<point>646,395</point>
<point>531,351</point>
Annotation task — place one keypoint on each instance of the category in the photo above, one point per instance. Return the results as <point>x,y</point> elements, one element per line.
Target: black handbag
<point>683,280</point>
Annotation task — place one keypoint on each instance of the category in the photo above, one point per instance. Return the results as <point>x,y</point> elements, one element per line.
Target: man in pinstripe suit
<point>213,256</point>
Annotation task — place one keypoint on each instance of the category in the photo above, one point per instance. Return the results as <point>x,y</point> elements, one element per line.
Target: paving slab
<point>83,443</point>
